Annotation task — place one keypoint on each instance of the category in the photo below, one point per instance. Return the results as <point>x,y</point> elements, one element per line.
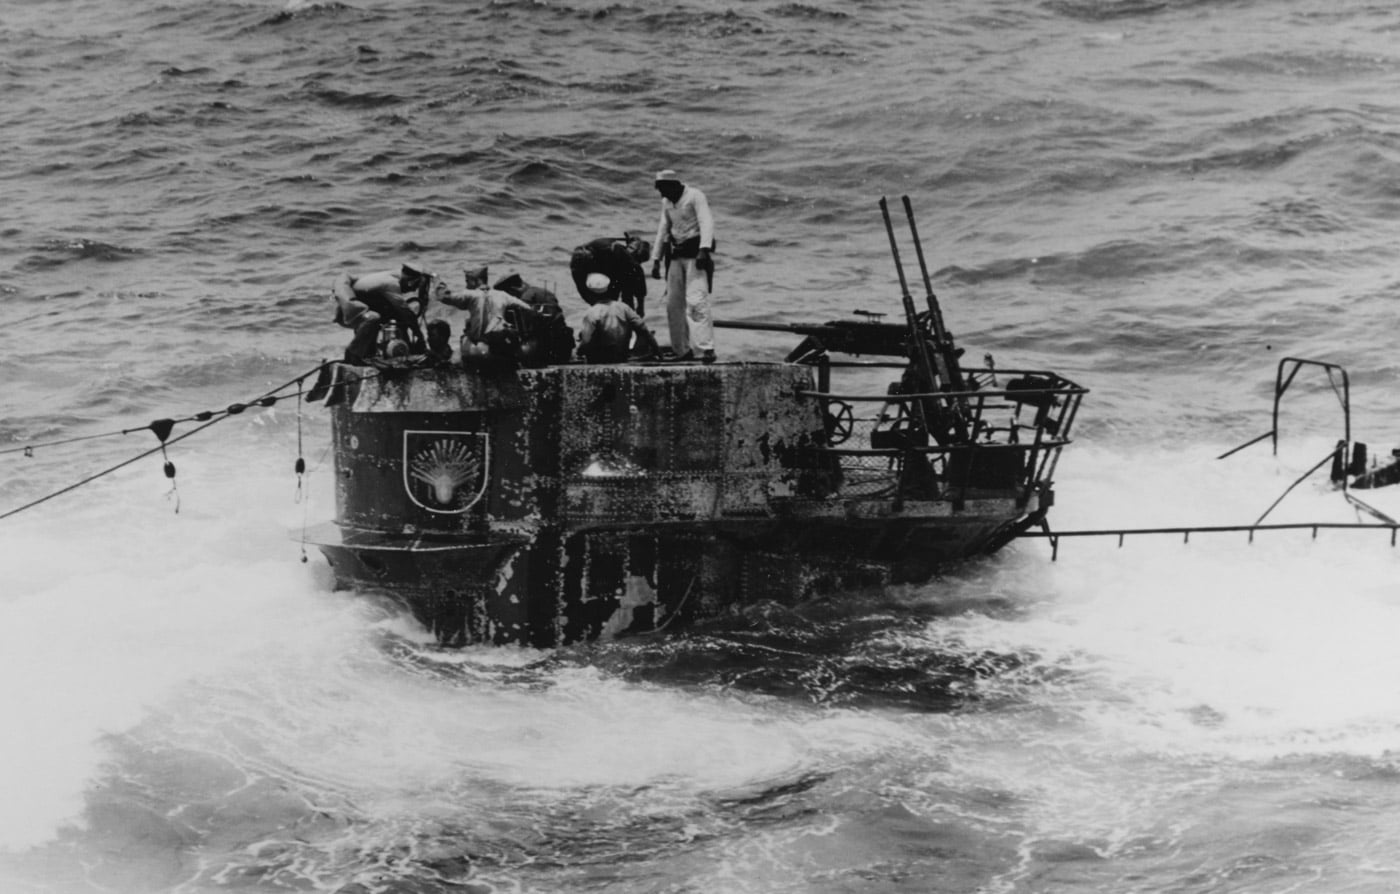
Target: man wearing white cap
<point>686,237</point>
<point>609,326</point>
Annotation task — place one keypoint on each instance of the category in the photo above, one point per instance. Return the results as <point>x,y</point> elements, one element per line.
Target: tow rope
<point>164,430</point>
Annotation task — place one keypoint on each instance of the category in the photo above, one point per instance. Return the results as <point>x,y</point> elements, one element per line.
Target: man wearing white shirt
<point>686,237</point>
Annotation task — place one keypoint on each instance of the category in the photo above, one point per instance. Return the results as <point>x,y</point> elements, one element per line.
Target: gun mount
<point>572,501</point>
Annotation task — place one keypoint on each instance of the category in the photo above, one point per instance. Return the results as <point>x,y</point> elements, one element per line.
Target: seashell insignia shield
<point>445,471</point>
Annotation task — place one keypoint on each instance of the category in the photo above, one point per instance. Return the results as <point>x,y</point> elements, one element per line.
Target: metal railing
<point>1003,440</point>
<point>1288,369</point>
<point>1345,459</point>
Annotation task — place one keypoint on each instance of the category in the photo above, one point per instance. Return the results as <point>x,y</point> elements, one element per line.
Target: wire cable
<point>163,428</point>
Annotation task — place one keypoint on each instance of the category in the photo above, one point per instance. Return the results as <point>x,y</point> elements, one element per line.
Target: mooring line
<point>162,428</point>
<point>159,448</point>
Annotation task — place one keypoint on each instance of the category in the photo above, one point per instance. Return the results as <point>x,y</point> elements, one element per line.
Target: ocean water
<point>1159,199</point>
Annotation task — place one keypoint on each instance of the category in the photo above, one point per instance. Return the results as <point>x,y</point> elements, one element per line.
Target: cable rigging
<point>163,429</point>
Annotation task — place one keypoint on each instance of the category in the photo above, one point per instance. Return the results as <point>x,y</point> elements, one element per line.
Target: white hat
<point>597,282</point>
<point>668,174</point>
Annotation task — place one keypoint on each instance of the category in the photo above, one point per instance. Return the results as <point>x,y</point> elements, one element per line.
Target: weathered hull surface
<point>556,505</point>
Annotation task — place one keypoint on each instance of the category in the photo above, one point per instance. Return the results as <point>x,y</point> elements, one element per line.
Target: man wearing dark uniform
<point>537,297</point>
<point>620,260</point>
<point>547,339</point>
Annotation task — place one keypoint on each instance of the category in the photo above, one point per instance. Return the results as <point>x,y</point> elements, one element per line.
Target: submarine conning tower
<point>450,451</point>
<point>569,502</point>
<point>574,502</point>
<point>547,505</point>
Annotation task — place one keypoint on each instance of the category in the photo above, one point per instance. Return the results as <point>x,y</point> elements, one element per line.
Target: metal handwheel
<point>840,423</point>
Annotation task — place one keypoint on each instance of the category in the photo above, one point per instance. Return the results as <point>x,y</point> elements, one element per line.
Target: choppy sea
<point>1159,199</point>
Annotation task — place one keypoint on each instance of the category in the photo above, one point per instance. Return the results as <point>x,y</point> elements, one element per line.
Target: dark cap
<point>475,278</point>
<point>639,249</point>
<point>510,284</point>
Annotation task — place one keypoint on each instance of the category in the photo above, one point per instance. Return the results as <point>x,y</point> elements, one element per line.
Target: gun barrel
<point>763,327</point>
<point>844,336</point>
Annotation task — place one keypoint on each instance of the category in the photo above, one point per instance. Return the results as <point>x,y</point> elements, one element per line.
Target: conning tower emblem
<point>445,471</point>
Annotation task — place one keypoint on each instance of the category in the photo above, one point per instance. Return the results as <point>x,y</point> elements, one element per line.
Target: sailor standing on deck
<point>685,238</point>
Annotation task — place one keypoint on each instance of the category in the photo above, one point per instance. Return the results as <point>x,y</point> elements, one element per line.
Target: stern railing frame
<point>1055,405</point>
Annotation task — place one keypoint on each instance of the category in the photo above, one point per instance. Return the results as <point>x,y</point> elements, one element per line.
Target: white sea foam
<point>1159,217</point>
<point>1215,645</point>
<point>116,606</point>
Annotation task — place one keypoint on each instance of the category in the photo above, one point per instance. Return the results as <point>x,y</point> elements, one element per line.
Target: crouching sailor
<point>366,302</point>
<point>608,327</point>
<point>547,338</point>
<point>620,260</point>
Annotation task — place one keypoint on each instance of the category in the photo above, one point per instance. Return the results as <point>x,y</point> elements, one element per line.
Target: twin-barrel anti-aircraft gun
<point>559,502</point>
<point>563,502</point>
